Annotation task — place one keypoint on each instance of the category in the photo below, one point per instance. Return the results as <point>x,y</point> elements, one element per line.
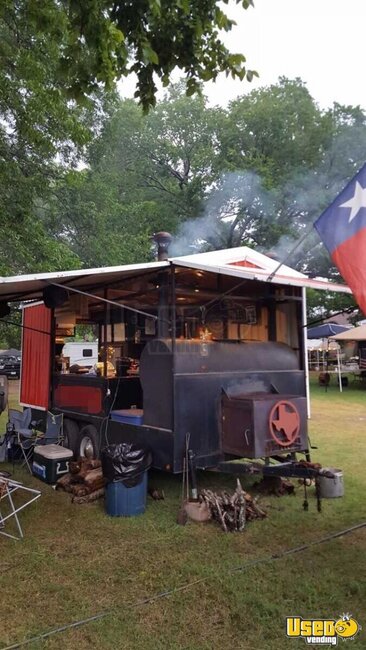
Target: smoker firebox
<point>263,424</point>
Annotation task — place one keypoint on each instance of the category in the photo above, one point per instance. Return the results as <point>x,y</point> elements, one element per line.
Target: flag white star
<point>357,201</point>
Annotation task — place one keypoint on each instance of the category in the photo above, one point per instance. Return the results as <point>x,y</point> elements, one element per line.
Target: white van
<point>84,353</point>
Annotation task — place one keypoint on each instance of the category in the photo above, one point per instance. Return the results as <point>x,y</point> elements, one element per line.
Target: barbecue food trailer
<point>208,346</point>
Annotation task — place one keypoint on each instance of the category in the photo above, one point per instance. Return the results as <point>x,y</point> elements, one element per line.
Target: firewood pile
<point>232,511</point>
<point>85,481</point>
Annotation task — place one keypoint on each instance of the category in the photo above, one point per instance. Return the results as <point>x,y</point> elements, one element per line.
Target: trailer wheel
<point>88,446</point>
<point>71,434</point>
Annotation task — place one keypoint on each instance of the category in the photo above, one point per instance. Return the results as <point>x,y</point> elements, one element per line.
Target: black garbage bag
<point>125,462</point>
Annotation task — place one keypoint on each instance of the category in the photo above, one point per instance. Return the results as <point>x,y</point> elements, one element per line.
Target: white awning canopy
<point>241,262</point>
<point>29,287</point>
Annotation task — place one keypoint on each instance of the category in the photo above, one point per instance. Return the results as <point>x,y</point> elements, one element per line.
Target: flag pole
<point>289,255</point>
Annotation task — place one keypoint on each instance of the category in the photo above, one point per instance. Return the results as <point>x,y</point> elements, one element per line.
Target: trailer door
<point>36,357</point>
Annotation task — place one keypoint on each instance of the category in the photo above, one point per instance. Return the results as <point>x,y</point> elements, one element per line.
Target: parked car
<point>10,366</point>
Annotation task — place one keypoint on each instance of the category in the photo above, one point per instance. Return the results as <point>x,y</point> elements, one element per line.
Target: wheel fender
<point>71,434</point>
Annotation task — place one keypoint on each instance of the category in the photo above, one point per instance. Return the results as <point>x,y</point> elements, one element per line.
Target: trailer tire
<point>71,435</point>
<point>88,446</point>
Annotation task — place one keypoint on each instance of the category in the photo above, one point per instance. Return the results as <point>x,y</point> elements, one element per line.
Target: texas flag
<point>342,227</point>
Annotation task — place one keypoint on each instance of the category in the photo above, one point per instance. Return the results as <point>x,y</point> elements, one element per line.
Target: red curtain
<point>36,357</point>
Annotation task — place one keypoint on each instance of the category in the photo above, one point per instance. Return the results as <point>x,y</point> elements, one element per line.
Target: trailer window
<point>87,352</point>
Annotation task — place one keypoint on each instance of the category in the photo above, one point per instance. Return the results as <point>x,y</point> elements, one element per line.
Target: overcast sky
<point>321,41</point>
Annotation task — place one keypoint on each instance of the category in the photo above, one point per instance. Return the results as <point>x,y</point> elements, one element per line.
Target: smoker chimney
<point>162,239</point>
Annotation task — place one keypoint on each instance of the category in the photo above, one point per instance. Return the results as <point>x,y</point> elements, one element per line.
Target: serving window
<point>175,302</point>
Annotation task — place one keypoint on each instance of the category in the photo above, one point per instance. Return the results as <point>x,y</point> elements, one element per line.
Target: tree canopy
<point>258,173</point>
<point>59,61</point>
<point>42,133</point>
<point>99,41</point>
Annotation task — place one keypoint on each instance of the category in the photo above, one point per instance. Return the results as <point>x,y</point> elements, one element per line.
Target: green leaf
<point>149,55</point>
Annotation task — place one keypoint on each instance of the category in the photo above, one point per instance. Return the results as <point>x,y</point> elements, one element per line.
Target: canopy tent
<point>354,334</point>
<point>350,334</point>
<point>326,330</point>
<point>358,335</point>
<point>322,345</point>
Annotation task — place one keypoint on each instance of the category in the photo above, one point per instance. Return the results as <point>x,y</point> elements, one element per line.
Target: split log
<point>232,511</point>
<point>80,490</point>
<point>64,483</point>
<point>88,498</point>
<point>94,479</point>
<point>85,478</point>
<point>83,465</point>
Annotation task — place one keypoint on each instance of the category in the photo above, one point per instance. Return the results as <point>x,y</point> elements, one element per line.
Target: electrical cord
<point>107,417</point>
<point>189,585</point>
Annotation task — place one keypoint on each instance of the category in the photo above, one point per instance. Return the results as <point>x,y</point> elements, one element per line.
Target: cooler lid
<point>53,451</point>
<point>128,413</point>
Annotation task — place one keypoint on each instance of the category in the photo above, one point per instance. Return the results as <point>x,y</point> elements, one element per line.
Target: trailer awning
<point>243,263</point>
<point>30,287</point>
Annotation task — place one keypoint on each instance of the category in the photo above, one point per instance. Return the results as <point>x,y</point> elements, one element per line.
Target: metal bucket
<point>331,487</point>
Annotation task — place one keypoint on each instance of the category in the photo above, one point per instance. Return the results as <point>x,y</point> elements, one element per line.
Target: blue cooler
<point>122,501</point>
<point>129,416</point>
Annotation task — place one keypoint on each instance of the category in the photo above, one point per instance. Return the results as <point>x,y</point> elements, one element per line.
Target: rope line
<point>189,585</point>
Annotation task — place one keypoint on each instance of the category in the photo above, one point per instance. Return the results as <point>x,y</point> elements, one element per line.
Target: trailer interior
<point>180,304</point>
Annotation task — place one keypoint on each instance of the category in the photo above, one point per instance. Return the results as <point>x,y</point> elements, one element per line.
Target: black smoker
<point>234,399</point>
<point>222,394</point>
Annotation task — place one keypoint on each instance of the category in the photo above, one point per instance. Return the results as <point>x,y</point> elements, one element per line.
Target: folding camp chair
<point>22,430</point>
<point>54,431</point>
<point>7,489</point>
<point>28,435</point>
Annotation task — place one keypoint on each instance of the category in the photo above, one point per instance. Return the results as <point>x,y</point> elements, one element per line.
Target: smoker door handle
<point>246,436</point>
<point>274,389</point>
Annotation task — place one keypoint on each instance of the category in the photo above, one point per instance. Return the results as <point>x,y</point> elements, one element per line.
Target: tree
<point>42,133</point>
<point>56,56</point>
<point>271,140</point>
<point>100,41</point>
<point>322,305</point>
<point>275,130</point>
<point>145,173</point>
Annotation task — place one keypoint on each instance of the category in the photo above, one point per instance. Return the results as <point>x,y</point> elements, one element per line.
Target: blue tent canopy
<point>326,330</point>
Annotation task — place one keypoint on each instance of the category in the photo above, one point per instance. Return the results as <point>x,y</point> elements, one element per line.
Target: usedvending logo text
<point>322,632</point>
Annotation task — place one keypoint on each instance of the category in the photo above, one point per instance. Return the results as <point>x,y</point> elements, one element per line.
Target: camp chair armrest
<point>36,423</point>
<point>25,434</point>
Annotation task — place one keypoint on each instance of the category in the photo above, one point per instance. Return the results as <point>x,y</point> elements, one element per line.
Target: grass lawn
<point>76,562</point>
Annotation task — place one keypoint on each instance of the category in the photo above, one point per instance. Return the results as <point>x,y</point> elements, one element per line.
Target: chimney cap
<point>162,237</point>
<point>162,240</point>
